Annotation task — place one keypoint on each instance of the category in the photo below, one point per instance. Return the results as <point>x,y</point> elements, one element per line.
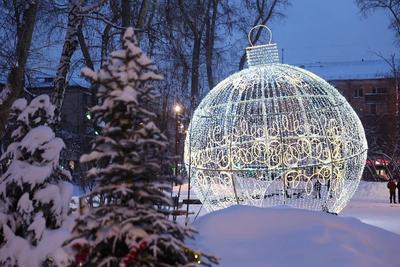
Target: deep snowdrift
<point>249,236</point>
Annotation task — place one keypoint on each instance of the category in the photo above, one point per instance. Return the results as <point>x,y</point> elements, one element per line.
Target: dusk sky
<point>321,30</point>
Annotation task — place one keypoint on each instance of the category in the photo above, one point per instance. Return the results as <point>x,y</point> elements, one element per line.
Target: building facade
<point>369,87</point>
<point>376,103</point>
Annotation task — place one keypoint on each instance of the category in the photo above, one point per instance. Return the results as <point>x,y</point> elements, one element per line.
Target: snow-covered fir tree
<point>34,190</point>
<point>131,228</point>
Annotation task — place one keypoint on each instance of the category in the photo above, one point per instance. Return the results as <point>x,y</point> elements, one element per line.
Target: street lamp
<point>177,109</point>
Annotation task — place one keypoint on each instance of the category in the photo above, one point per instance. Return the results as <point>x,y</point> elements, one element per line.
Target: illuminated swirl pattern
<point>275,135</point>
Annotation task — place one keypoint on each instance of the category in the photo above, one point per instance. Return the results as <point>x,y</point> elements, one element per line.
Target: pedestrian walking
<point>398,190</point>
<point>391,185</point>
<point>328,188</point>
<point>317,189</point>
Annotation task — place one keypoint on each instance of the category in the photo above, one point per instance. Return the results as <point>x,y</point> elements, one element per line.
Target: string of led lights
<point>275,134</point>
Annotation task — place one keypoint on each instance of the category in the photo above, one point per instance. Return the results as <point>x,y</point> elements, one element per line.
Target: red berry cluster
<point>82,252</point>
<point>133,253</point>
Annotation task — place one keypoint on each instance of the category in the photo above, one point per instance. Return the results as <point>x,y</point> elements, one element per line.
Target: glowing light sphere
<point>275,134</point>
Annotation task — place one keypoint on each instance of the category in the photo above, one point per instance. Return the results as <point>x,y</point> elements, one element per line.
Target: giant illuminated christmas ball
<point>275,134</point>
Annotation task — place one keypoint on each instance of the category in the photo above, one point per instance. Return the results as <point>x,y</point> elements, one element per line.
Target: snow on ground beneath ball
<point>282,236</point>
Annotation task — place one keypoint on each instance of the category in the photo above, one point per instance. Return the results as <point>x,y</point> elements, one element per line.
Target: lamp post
<point>177,109</point>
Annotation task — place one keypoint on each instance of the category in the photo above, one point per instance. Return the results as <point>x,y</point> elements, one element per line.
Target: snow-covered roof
<point>42,81</point>
<point>349,70</point>
<point>48,81</point>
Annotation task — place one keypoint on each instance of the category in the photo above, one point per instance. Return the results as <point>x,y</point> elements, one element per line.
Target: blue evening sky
<point>331,30</point>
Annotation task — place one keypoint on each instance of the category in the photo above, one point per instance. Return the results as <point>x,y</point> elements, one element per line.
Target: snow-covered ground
<point>366,233</point>
<point>370,204</point>
<point>283,236</point>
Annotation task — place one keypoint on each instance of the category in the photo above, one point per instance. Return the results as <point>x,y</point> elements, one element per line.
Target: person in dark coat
<point>328,187</point>
<point>391,185</point>
<point>317,189</point>
<point>398,190</point>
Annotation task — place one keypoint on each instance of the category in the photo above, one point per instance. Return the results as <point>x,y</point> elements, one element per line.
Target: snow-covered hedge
<point>34,189</point>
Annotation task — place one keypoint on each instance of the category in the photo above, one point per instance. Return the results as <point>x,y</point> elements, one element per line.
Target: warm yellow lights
<point>275,134</point>
<point>177,108</point>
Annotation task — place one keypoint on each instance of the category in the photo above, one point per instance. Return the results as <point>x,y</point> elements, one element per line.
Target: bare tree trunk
<point>69,47</point>
<point>84,48</point>
<point>144,8</point>
<point>105,39</point>
<point>106,36</point>
<point>210,39</point>
<point>88,61</point>
<point>76,14</point>
<point>195,72</point>
<point>15,79</point>
<point>395,72</point>
<point>126,13</point>
<point>152,41</point>
<point>196,24</point>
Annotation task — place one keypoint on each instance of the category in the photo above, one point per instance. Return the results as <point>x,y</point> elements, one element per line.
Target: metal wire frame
<point>266,135</point>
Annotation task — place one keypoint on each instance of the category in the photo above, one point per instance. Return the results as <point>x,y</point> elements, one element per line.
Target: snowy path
<point>370,204</point>
<point>377,213</point>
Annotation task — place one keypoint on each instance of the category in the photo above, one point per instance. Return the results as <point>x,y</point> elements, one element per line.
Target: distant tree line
<point>195,43</point>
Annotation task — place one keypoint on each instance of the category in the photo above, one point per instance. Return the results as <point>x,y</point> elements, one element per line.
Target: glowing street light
<point>177,108</point>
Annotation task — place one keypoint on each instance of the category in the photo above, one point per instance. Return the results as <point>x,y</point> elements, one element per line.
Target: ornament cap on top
<point>261,54</point>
